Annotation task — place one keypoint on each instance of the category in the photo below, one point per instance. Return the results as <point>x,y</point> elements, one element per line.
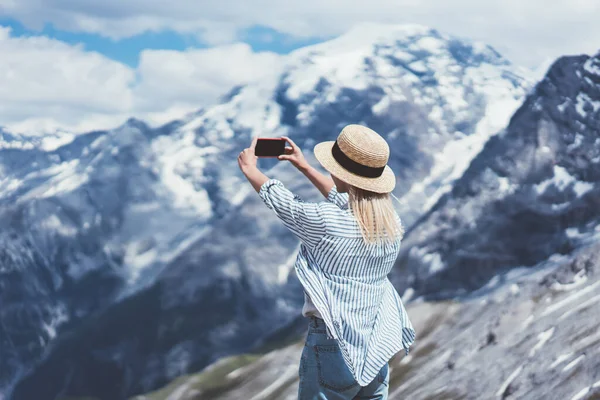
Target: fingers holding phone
<point>293,154</point>
<point>246,158</point>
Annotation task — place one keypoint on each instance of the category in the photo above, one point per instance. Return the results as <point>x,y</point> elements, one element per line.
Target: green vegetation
<point>77,398</point>
<point>213,378</point>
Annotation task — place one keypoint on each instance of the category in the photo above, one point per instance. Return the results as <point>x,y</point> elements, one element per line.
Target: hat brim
<point>384,183</point>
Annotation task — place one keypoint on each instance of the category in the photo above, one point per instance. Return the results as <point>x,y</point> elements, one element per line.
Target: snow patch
<point>573,363</point>
<point>561,107</point>
<point>53,223</point>
<point>182,165</point>
<point>579,279</point>
<point>581,394</point>
<point>580,306</point>
<point>573,233</point>
<point>562,179</point>
<point>576,143</point>
<point>138,256</point>
<point>434,260</point>
<point>508,381</point>
<point>450,164</point>
<point>408,294</point>
<point>62,178</point>
<point>418,66</point>
<point>560,359</point>
<point>431,44</point>
<point>514,288</point>
<point>178,393</point>
<point>381,106</point>
<point>16,144</point>
<point>53,142</point>
<point>543,337</point>
<point>592,66</point>
<point>505,186</point>
<point>583,100</point>
<point>9,185</point>
<point>562,303</point>
<point>527,322</point>
<point>58,316</point>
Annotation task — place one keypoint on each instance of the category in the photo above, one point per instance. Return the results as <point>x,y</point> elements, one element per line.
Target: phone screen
<point>269,147</point>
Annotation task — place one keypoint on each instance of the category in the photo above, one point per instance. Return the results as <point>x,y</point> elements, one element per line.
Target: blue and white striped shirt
<point>345,278</point>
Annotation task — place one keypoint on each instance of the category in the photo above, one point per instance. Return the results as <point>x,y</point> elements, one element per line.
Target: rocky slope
<point>76,232</point>
<point>534,190</point>
<point>530,333</point>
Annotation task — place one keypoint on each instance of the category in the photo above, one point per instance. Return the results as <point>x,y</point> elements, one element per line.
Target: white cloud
<point>194,75</point>
<point>31,65</point>
<point>528,32</point>
<point>49,84</point>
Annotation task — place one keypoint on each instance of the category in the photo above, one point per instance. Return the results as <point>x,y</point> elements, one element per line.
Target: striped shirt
<point>345,278</point>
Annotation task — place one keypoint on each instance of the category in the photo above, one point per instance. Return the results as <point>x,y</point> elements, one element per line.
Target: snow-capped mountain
<point>144,248</point>
<point>79,223</point>
<point>534,190</point>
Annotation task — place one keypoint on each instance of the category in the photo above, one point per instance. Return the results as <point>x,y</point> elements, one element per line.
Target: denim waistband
<point>317,325</point>
<point>316,322</point>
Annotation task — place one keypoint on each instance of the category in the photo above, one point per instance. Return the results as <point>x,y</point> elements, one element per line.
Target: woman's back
<point>342,251</point>
<point>346,278</point>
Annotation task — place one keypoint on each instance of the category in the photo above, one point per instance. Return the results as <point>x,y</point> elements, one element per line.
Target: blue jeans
<point>324,374</point>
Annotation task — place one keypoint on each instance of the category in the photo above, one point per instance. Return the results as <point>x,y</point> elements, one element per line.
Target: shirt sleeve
<point>340,199</point>
<point>304,219</point>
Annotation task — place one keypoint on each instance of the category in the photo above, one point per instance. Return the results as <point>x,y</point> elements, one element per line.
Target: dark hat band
<point>353,166</point>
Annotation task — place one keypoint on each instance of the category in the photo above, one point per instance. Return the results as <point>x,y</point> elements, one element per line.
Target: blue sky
<point>82,64</point>
<point>127,50</point>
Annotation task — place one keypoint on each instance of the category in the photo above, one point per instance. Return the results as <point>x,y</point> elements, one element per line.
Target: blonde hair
<point>375,215</point>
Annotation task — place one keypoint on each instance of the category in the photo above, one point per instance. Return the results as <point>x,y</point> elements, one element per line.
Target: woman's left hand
<point>246,158</point>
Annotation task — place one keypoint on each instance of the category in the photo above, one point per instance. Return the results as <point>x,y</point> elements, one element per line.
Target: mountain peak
<point>367,34</point>
<point>418,39</point>
<point>371,31</point>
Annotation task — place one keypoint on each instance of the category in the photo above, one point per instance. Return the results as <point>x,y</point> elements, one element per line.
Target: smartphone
<point>269,147</point>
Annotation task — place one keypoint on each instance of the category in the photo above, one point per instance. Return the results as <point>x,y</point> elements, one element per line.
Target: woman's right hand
<point>293,154</point>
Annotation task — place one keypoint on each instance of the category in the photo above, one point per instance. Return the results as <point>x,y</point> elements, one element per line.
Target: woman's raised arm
<point>295,156</point>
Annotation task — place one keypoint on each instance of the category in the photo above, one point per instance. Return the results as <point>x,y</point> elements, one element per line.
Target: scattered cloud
<point>196,75</point>
<point>50,84</point>
<point>526,32</point>
<point>47,80</point>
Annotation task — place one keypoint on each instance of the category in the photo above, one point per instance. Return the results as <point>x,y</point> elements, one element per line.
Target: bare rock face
<point>533,191</point>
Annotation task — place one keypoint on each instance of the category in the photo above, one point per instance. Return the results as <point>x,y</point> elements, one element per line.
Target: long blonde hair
<point>376,215</point>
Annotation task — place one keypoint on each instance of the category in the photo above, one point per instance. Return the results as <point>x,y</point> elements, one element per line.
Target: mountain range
<point>136,255</point>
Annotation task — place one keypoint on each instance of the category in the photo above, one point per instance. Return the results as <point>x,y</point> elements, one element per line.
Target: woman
<point>349,244</point>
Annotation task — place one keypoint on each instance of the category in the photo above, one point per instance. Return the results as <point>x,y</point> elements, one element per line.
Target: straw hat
<point>359,157</point>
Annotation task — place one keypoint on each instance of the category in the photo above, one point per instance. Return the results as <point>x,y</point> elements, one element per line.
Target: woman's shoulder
<point>337,208</point>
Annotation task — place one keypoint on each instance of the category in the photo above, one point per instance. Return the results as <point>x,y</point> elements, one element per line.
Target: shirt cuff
<point>264,188</point>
